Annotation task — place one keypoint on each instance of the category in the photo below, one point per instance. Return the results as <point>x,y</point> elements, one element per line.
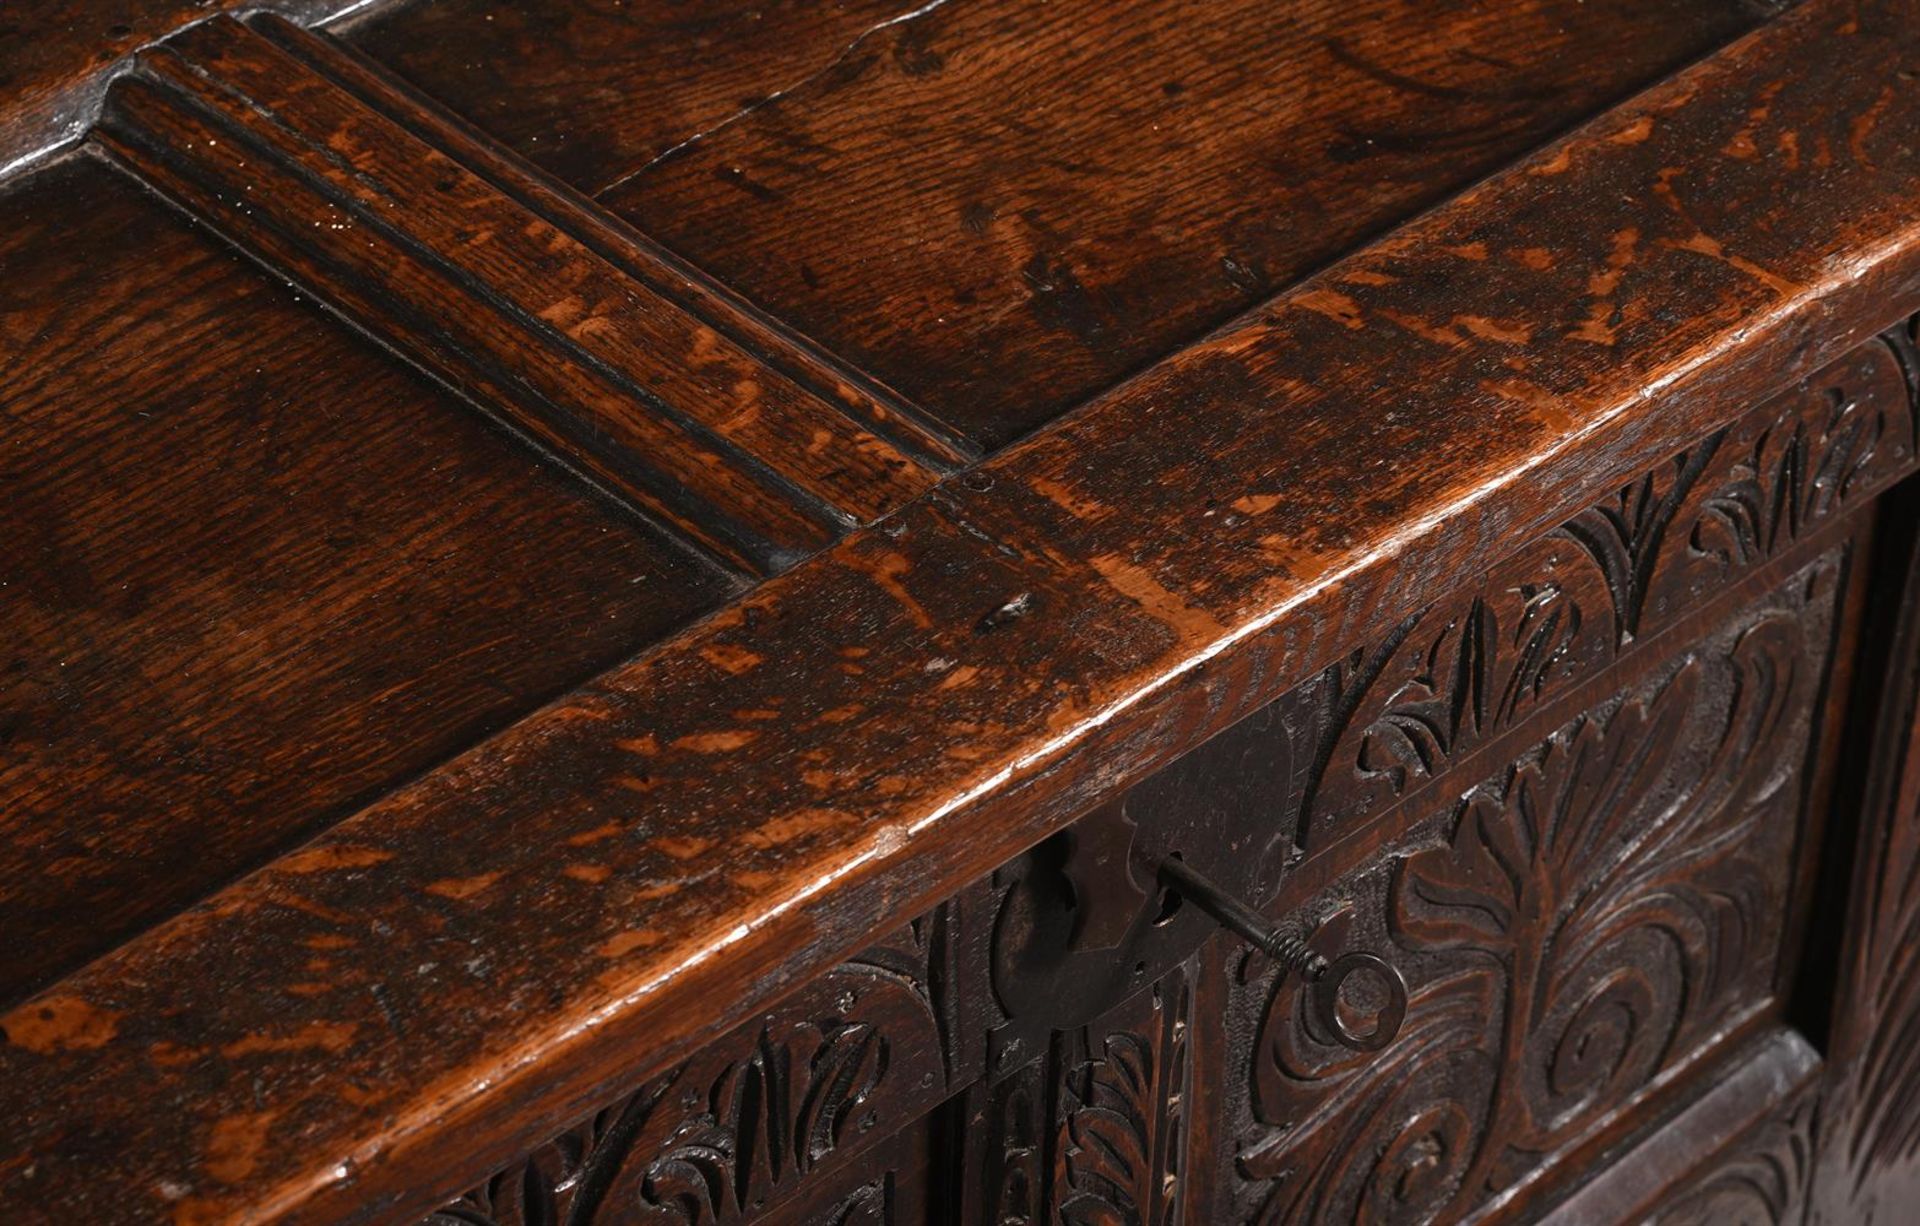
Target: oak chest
<point>976,611</point>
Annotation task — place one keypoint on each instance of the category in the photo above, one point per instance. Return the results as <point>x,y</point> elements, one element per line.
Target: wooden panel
<point>1595,918</point>
<point>493,296</point>
<point>55,57</point>
<point>767,1120</point>
<point>896,1183</point>
<point>589,90</point>
<point>1869,1159</point>
<point>254,574</point>
<point>996,657</point>
<point>1003,208</point>
<point>1477,673</point>
<point>1454,677</point>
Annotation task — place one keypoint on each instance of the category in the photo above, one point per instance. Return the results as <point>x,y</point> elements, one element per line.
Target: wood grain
<point>254,575</point>
<point>1078,933</point>
<point>588,91</point>
<point>867,733</point>
<point>433,257</point>
<point>56,59</point>
<point>1457,676</point>
<point>1001,209</point>
<point>768,1118</point>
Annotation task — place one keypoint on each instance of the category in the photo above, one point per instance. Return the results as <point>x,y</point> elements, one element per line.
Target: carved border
<point>1606,909</point>
<point>860,1053</point>
<point>1450,679</point>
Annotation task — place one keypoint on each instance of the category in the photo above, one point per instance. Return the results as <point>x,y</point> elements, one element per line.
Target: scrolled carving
<point>1444,681</point>
<point>1571,928</point>
<point>563,1181</point>
<point>1462,671</point>
<point>1388,1134</point>
<point>768,1119</point>
<point>861,1051</point>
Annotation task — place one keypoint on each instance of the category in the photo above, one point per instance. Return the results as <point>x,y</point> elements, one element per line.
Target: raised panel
<point>567,329</point>
<point>589,91</point>
<point>1578,930</point>
<point>486,952</point>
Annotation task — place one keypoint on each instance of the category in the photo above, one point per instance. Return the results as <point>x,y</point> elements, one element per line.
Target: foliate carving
<point>1448,678</point>
<point>766,1120</point>
<point>1120,1113</point>
<point>1571,928</point>
<point>1012,1148</point>
<point>1869,1162</point>
<point>1748,492</point>
<point>1460,672</point>
<point>860,1052</point>
<point>564,1180</point>
<point>1106,1132</point>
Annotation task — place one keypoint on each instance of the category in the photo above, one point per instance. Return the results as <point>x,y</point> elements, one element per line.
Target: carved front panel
<point>1565,805</point>
<point>1094,1132</point>
<point>1119,1114</point>
<point>1575,927</point>
<point>1461,672</point>
<point>741,1129</point>
<point>1584,903</point>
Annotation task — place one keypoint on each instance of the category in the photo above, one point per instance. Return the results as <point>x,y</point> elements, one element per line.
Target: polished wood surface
<point>1001,209</point>
<point>590,91</point>
<point>1599,909</point>
<point>617,610</point>
<point>56,59</point>
<point>239,558</point>
<point>639,392</point>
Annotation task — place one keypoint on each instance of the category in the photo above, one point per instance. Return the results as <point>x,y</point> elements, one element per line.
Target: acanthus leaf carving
<point>1590,916</point>
<point>1120,1113</point>
<point>862,1050</point>
<point>1452,677</point>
